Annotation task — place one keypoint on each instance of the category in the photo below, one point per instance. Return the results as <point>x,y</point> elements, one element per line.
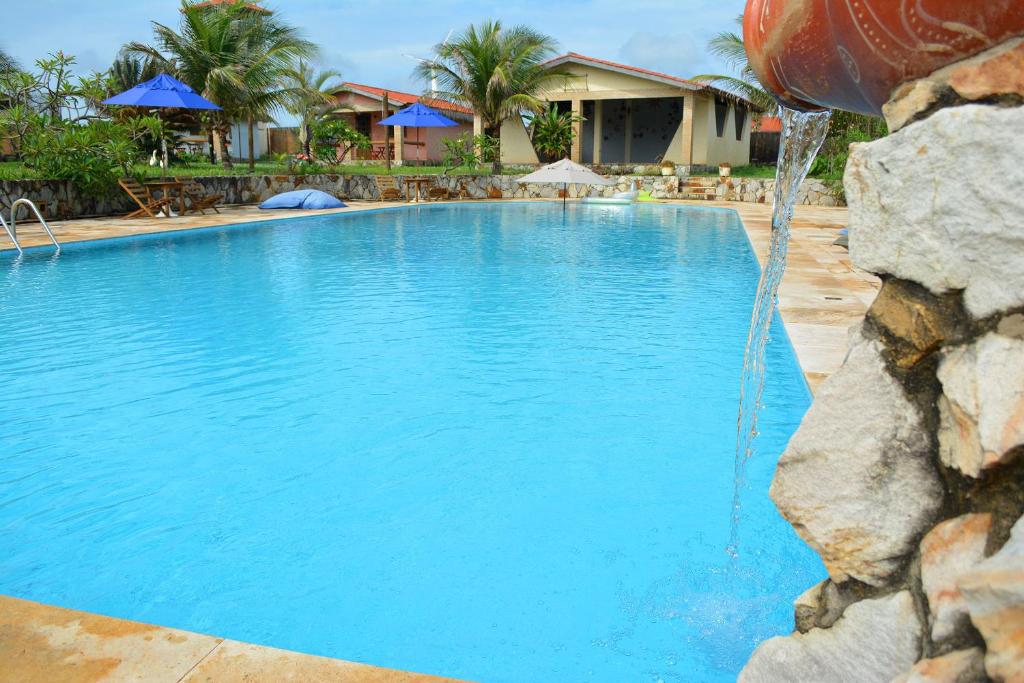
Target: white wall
<point>240,140</point>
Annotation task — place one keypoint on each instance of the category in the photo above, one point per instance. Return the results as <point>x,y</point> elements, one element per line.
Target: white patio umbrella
<point>565,173</point>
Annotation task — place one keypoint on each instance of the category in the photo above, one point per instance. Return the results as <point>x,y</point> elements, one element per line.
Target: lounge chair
<point>437,193</point>
<point>199,200</point>
<point>148,206</point>
<point>387,188</point>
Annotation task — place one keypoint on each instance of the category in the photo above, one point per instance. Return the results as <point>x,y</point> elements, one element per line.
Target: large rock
<point>962,666</point>
<point>820,606</point>
<point>875,640</point>
<point>914,317</point>
<point>994,592</point>
<point>939,203</point>
<point>948,552</point>
<point>856,481</point>
<point>981,411</point>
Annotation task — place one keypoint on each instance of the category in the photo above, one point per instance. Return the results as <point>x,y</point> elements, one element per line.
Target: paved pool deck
<point>821,296</point>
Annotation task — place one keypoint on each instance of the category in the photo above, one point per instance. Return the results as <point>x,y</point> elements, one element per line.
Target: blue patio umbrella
<point>417,116</point>
<point>162,91</point>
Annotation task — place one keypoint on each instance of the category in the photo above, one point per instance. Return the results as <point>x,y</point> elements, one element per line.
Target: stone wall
<point>907,475</point>
<point>62,201</point>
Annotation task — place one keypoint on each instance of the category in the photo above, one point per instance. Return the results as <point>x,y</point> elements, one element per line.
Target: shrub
<point>552,132</point>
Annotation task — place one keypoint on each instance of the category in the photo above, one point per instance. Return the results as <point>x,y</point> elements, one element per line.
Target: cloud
<point>675,54</point>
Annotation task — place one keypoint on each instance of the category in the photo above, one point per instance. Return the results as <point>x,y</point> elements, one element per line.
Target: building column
<point>399,145</point>
<point>628,144</point>
<point>598,132</point>
<point>576,153</point>
<point>686,153</point>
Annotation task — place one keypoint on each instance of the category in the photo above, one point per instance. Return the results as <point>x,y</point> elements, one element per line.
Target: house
<point>363,106</point>
<point>633,115</point>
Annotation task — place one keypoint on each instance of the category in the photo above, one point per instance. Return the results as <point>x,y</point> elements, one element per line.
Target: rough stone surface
<point>875,640</point>
<point>981,411</point>
<point>962,666</point>
<point>994,592</point>
<point>856,481</point>
<point>919,325</point>
<point>948,552</point>
<point>939,203</point>
<point>994,73</point>
<point>820,606</point>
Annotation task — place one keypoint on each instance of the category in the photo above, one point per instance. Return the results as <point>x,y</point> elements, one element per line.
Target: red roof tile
<point>626,67</point>
<point>576,56</point>
<point>767,124</point>
<point>405,97</point>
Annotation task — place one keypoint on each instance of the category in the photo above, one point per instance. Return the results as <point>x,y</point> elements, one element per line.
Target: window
<point>741,120</point>
<point>721,109</point>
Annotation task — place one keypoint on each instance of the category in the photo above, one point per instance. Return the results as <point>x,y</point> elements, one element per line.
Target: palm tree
<point>729,46</point>
<point>128,70</point>
<point>498,73</point>
<point>232,56</point>
<point>8,64</point>
<point>311,91</point>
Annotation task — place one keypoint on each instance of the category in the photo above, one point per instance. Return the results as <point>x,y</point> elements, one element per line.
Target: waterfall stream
<point>802,135</point>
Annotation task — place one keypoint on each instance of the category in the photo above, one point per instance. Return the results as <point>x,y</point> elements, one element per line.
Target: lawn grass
<point>15,170</point>
<point>751,171</point>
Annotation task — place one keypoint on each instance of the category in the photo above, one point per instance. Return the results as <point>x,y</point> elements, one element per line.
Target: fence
<point>764,148</point>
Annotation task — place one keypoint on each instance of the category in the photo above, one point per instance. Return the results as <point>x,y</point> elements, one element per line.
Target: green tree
<point>128,70</point>
<point>728,45</point>
<point>310,93</point>
<point>552,132</point>
<point>498,73</point>
<point>231,55</point>
<point>8,63</point>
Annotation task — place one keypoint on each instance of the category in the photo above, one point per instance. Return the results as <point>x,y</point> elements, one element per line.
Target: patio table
<point>418,181</point>
<point>167,188</point>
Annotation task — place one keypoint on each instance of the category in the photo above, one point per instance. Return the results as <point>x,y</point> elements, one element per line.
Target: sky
<point>371,41</point>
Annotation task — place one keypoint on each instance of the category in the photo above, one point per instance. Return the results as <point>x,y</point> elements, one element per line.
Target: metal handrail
<point>13,230</point>
<point>10,234</point>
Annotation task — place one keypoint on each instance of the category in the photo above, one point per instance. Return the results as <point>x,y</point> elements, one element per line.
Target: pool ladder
<point>12,228</point>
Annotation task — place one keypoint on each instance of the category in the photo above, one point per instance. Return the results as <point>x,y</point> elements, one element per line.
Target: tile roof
<point>767,124</point>
<point>404,97</point>
<point>644,73</point>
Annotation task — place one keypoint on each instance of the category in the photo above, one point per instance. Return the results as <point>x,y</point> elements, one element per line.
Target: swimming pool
<point>482,441</point>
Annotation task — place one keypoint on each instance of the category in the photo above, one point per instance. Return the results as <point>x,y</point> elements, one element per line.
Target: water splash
<point>802,135</point>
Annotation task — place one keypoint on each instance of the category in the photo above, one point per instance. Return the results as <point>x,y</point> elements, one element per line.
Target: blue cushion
<point>302,199</point>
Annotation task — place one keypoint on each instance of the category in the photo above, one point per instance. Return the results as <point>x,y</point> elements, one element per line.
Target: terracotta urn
<point>851,54</point>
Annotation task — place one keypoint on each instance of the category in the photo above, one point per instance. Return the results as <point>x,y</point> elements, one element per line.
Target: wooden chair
<point>387,187</point>
<point>148,206</point>
<point>437,193</point>
<point>199,200</point>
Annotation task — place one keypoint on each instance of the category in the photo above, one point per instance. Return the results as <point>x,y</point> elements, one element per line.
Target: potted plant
<point>668,168</point>
<point>725,170</point>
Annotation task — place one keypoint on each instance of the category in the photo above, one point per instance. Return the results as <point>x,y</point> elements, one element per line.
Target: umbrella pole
<point>164,161</point>
<point>565,193</point>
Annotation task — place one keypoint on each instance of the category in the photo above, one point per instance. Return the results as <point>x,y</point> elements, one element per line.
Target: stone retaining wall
<point>62,201</point>
<point>907,473</point>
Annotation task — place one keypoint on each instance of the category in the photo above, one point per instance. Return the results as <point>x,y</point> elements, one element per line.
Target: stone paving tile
<point>234,661</point>
<point>45,644</point>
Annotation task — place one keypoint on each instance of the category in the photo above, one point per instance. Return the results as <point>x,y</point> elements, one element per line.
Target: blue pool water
<point>481,441</point>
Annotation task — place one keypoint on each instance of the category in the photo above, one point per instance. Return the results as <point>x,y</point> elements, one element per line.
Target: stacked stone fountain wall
<point>907,475</point>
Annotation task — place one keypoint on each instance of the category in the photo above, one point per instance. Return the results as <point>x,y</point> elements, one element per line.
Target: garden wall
<point>60,200</point>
